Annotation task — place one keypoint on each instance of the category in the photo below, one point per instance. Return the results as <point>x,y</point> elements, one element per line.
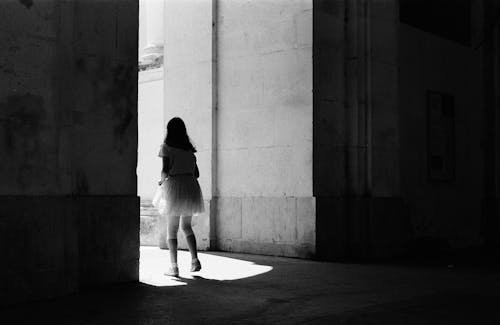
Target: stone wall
<point>150,131</point>
<point>264,134</point>
<point>449,211</point>
<point>359,211</point>
<point>239,74</point>
<point>490,62</point>
<point>68,146</point>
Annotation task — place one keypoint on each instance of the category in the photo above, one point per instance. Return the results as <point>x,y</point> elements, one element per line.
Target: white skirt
<point>179,196</point>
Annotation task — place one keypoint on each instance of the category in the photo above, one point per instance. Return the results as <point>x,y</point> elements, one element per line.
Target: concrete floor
<point>250,289</point>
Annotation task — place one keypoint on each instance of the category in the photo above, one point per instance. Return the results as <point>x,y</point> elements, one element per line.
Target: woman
<point>181,196</point>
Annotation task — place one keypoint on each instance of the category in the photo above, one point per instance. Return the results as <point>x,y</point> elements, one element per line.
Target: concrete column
<point>264,148</point>
<point>68,132</point>
<point>152,19</point>
<point>488,39</point>
<point>356,154</point>
<point>240,74</point>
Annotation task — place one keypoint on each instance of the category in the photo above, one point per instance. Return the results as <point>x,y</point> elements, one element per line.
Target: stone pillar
<point>155,21</point>
<point>356,154</point>
<point>152,18</point>
<point>240,75</point>
<point>68,131</point>
<point>264,171</point>
<point>488,39</point>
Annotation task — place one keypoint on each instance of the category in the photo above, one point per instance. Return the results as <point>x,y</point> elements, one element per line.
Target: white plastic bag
<point>159,201</point>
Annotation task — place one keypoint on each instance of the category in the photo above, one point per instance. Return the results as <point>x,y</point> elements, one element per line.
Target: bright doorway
<point>150,113</point>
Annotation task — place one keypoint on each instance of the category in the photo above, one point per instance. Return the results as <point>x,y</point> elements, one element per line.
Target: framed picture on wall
<point>440,136</point>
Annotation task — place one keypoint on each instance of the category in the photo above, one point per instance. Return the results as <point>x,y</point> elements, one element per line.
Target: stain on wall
<point>23,117</point>
<point>81,183</point>
<point>121,95</point>
<point>26,3</point>
<point>113,94</point>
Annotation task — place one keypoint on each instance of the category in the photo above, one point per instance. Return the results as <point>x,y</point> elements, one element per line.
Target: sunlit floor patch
<point>154,262</point>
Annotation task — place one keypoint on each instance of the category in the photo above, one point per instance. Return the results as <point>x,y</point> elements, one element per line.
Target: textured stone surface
<point>361,228</point>
<point>356,130</point>
<point>265,100</point>
<point>150,132</point>
<point>69,95</point>
<point>108,239</point>
<point>68,146</point>
<point>58,245</point>
<point>267,225</point>
<point>306,211</point>
<point>229,218</point>
<point>249,65</point>
<point>264,127</point>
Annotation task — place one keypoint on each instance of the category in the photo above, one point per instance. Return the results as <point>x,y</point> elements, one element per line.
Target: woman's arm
<point>165,168</point>
<point>196,171</point>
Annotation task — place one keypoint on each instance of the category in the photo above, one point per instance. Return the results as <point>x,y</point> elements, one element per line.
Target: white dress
<point>180,194</point>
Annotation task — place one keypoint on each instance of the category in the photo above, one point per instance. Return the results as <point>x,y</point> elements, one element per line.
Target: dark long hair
<point>177,136</point>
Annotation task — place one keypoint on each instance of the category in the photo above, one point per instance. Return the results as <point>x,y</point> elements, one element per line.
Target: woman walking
<point>180,195</point>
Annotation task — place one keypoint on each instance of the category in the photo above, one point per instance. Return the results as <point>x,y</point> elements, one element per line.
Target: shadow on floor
<point>251,289</point>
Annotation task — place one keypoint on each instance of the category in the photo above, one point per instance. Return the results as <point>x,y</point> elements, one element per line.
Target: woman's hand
<point>163,178</point>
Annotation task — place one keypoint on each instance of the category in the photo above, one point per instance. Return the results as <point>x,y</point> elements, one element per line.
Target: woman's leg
<point>190,238</point>
<point>172,229</point>
<point>162,241</point>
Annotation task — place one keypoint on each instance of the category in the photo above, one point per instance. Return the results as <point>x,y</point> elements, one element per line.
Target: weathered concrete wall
<point>189,90</point>
<point>449,211</point>
<point>241,78</point>
<point>356,130</point>
<point>490,51</point>
<point>150,123</point>
<point>68,146</point>
<point>264,134</point>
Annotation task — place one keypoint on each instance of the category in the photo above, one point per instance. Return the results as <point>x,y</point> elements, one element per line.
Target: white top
<point>179,161</point>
